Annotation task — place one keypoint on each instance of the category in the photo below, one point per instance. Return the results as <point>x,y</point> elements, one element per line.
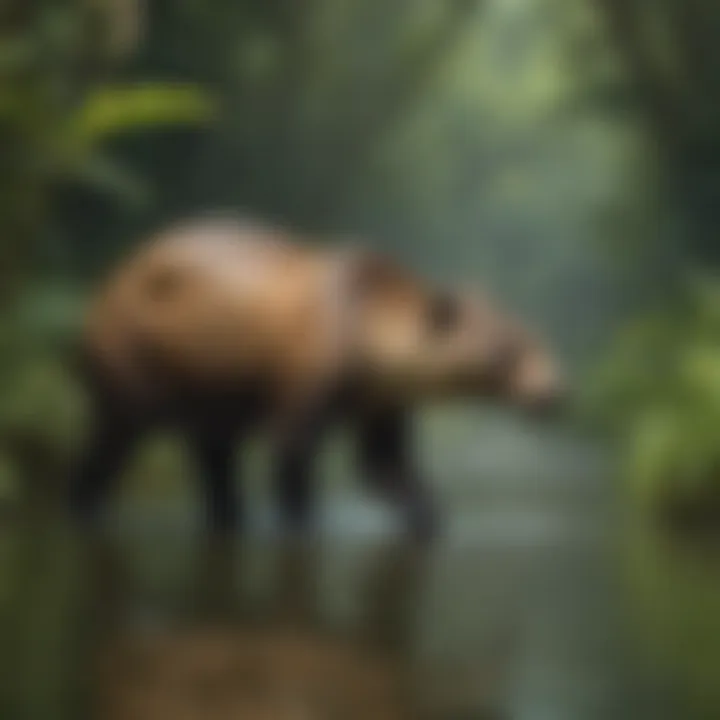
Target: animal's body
<point>220,328</point>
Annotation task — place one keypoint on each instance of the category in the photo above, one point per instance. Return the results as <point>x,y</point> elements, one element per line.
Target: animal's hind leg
<point>387,463</point>
<point>214,450</point>
<point>101,461</point>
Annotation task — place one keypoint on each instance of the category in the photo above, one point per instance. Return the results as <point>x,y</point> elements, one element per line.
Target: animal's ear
<point>443,313</point>
<point>367,272</point>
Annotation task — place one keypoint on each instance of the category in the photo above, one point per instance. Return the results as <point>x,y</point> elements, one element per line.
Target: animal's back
<point>211,300</point>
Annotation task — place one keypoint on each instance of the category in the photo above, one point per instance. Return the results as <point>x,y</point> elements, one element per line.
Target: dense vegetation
<point>658,393</point>
<point>660,385</point>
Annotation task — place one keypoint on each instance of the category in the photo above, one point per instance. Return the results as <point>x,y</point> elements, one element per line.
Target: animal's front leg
<point>293,484</point>
<point>214,450</point>
<point>386,459</point>
<point>296,437</point>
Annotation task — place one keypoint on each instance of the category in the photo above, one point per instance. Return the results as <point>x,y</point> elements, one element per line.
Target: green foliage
<point>674,590</point>
<point>61,145</point>
<point>658,394</point>
<point>118,109</point>
<point>42,409</point>
<point>58,106</point>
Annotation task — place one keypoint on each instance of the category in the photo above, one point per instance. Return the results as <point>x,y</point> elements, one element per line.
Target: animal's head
<point>420,342</point>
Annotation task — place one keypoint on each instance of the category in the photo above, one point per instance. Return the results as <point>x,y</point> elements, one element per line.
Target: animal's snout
<point>538,386</point>
<point>547,394</point>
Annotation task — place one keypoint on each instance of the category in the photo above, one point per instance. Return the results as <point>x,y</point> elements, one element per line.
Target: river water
<point>536,604</point>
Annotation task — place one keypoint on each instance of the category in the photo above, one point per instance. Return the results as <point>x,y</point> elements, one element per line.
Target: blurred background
<point>565,154</point>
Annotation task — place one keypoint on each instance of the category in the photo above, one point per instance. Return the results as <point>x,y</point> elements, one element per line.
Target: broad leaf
<point>115,110</point>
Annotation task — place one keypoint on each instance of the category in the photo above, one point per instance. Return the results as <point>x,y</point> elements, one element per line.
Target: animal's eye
<point>443,314</point>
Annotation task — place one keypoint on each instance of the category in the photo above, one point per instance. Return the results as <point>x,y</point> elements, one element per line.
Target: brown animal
<point>219,327</point>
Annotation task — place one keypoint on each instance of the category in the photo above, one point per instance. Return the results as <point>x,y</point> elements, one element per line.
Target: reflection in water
<point>168,627</point>
<point>278,661</point>
<point>206,644</point>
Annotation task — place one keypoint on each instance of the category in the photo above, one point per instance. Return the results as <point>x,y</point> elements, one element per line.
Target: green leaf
<point>115,110</point>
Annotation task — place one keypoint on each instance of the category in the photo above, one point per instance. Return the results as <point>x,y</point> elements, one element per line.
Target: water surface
<point>535,604</point>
